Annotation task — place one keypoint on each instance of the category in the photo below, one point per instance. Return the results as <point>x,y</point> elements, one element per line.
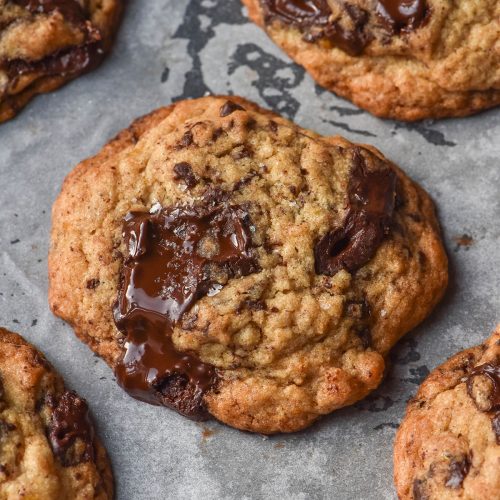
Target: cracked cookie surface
<point>399,59</point>
<point>448,445</point>
<point>281,266</point>
<point>48,448</point>
<point>45,43</point>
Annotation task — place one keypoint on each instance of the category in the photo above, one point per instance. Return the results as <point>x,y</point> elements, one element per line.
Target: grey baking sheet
<point>172,49</point>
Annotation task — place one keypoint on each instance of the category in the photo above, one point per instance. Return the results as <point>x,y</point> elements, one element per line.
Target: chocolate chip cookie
<point>227,262</point>
<point>45,43</point>
<point>403,59</point>
<point>48,446</point>
<point>448,445</point>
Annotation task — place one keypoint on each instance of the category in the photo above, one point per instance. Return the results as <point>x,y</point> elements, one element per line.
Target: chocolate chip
<point>184,171</point>
<point>483,386</point>
<point>458,470</point>
<point>253,305</point>
<point>70,422</point>
<point>244,151</point>
<point>273,126</point>
<point>229,107</point>
<point>93,283</point>
<point>217,133</point>
<point>186,140</point>
<point>369,216</point>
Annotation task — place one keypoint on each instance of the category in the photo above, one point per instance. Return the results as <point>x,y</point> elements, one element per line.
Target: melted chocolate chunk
<point>74,60</point>
<point>457,473</point>
<point>348,29</point>
<point>491,401</point>
<point>184,171</point>
<point>371,198</point>
<point>175,257</point>
<point>402,15</point>
<point>313,18</point>
<point>71,421</point>
<point>70,61</point>
<point>301,13</point>
<point>229,107</point>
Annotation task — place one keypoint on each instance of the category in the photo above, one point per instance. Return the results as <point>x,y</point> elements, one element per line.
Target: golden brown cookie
<point>45,43</point>
<point>225,261</point>
<point>403,59</point>
<point>448,445</point>
<point>48,446</point>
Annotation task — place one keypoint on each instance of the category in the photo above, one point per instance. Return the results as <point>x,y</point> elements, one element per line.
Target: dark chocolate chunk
<point>458,470</point>
<point>486,397</point>
<point>184,171</point>
<point>93,283</point>
<point>371,198</point>
<point>402,15</point>
<point>230,107</point>
<point>186,140</point>
<point>71,421</point>
<point>176,256</point>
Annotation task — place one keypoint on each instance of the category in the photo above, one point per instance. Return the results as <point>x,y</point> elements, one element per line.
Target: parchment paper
<point>173,49</point>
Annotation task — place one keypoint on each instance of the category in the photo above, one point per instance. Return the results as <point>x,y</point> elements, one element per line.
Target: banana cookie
<point>403,59</point>
<point>48,447</point>
<point>448,446</point>
<point>225,261</point>
<point>45,43</point>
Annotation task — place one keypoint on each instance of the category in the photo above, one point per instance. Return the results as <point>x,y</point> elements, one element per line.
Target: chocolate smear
<point>176,256</point>
<point>229,107</point>
<point>371,197</point>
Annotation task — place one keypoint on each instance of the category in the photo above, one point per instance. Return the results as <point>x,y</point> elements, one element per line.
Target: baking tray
<point>173,49</point>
